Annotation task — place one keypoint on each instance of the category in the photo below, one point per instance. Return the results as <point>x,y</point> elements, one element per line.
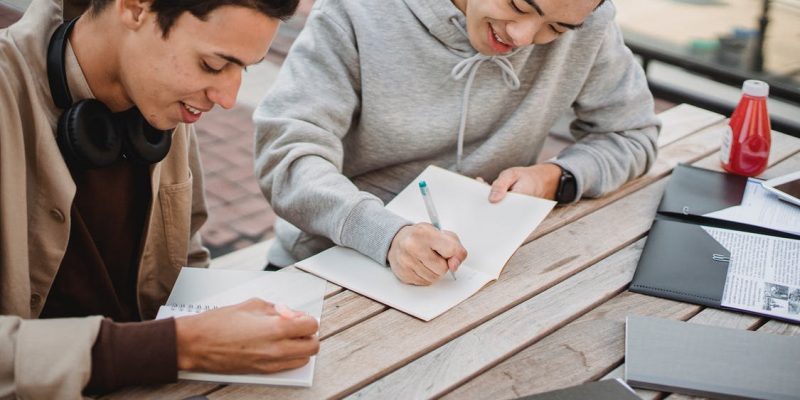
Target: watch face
<point>567,188</point>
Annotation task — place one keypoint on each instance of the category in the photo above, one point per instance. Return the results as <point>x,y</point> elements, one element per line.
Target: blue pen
<point>434,217</point>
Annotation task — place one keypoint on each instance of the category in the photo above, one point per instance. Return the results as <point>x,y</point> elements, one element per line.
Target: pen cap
<point>423,186</point>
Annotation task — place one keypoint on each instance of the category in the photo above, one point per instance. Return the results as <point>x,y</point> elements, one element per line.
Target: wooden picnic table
<point>555,317</point>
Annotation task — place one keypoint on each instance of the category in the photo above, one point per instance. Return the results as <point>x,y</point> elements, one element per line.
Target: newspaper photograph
<point>763,273</point>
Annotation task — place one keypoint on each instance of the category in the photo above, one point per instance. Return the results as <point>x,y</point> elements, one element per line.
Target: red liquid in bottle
<point>746,142</point>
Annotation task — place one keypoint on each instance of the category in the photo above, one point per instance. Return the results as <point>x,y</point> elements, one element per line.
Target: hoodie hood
<point>436,16</point>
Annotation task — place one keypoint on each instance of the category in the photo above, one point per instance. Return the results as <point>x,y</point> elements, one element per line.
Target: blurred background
<point>693,51</point>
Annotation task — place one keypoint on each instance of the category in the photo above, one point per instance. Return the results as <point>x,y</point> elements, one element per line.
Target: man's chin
<point>164,125</point>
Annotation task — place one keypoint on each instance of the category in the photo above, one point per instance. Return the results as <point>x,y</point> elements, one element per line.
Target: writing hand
<point>420,254</point>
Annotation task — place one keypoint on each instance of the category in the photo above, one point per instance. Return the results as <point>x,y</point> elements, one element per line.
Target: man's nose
<point>225,90</point>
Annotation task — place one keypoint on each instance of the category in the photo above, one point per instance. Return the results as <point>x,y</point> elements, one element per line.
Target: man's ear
<point>133,13</point>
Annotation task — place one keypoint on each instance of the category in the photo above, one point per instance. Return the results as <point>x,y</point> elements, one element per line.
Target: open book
<point>201,289</point>
<point>491,233</point>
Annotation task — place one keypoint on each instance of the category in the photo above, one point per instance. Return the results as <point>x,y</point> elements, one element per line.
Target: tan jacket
<point>51,358</point>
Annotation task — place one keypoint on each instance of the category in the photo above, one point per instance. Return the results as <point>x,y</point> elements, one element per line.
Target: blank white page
<point>491,233</point>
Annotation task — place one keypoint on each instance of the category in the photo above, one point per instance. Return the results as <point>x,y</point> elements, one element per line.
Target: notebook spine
<point>191,308</point>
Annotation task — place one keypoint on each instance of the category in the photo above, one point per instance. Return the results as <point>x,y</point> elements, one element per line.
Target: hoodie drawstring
<point>470,65</point>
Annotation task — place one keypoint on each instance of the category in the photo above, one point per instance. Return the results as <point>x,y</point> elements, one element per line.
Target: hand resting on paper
<point>420,254</point>
<point>250,337</point>
<point>540,180</point>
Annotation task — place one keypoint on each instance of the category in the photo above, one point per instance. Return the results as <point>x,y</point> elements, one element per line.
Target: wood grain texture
<point>362,344</point>
<point>175,391</point>
<point>344,310</point>
<point>583,350</point>
<point>343,383</point>
<point>682,120</point>
<point>468,355</point>
<point>381,344</point>
<point>708,316</point>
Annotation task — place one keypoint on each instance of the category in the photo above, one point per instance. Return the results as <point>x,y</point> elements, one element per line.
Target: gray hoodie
<point>374,91</point>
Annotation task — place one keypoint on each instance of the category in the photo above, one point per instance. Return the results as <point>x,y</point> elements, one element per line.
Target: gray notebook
<point>676,356</point>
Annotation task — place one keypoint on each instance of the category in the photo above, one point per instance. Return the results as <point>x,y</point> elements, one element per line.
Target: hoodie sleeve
<point>299,152</point>
<point>615,121</point>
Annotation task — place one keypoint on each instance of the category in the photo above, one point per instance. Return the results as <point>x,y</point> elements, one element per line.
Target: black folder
<point>694,192</point>
<point>680,260</point>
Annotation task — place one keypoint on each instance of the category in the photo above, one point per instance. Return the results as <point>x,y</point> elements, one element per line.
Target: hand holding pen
<point>432,214</point>
<point>420,254</point>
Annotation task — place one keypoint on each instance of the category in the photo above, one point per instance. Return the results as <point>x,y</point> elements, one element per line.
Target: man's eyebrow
<point>563,24</point>
<point>235,60</point>
<point>535,7</point>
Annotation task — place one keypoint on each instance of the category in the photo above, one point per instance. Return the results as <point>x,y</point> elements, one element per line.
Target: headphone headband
<point>56,68</point>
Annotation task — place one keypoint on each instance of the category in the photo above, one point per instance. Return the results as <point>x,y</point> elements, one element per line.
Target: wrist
<point>183,343</point>
<point>552,178</point>
<point>566,187</point>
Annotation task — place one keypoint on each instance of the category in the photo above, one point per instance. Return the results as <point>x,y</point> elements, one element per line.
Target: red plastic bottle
<point>746,142</point>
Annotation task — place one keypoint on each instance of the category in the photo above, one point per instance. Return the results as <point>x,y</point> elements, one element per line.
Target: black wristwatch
<point>567,188</point>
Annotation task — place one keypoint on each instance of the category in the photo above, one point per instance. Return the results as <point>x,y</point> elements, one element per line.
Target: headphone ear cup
<point>143,144</point>
<point>87,135</point>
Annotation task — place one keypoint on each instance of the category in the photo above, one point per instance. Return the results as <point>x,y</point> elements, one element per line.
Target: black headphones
<point>89,134</point>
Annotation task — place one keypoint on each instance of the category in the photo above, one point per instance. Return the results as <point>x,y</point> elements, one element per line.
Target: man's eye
<point>556,31</point>
<point>209,69</point>
<point>516,9</point>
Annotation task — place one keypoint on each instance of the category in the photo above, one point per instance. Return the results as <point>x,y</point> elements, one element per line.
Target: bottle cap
<point>755,88</point>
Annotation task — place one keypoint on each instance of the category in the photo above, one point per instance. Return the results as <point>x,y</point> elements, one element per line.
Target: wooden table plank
<point>345,310</point>
<point>519,362</point>
<point>359,355</point>
<point>465,357</point>
<point>682,120</point>
<point>173,391</point>
<point>584,350</point>
<point>431,385</point>
<point>391,317</point>
<point>354,357</point>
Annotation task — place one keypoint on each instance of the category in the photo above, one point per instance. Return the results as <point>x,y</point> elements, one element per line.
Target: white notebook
<point>201,289</point>
<point>491,233</point>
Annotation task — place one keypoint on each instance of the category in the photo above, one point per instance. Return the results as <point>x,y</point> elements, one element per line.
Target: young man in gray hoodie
<point>374,91</point>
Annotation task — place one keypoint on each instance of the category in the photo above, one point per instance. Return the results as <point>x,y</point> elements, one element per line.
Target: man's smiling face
<point>499,26</point>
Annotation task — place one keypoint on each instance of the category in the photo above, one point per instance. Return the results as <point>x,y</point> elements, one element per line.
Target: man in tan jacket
<point>78,244</point>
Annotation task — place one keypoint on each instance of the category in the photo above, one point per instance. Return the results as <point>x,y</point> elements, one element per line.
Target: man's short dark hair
<point>168,11</point>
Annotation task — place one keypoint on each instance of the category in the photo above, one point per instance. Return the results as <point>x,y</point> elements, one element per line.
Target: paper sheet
<point>762,208</point>
<point>199,289</point>
<point>491,233</point>
<point>763,273</point>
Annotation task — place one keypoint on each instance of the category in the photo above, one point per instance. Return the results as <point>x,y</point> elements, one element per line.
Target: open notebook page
<point>491,233</point>
<point>199,289</point>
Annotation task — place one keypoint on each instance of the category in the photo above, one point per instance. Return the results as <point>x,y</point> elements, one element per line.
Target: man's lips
<point>497,43</point>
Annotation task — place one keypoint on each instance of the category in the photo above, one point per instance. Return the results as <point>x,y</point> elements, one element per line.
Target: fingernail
<point>285,312</point>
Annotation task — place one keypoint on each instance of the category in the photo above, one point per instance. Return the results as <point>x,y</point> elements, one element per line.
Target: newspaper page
<point>761,207</point>
<point>763,273</point>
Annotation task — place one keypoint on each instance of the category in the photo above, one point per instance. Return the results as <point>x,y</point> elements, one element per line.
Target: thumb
<point>501,185</point>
